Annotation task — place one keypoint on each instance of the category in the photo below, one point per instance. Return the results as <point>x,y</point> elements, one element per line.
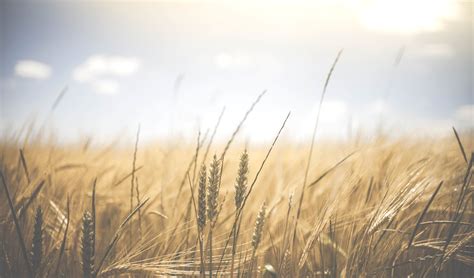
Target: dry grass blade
<point>330,169</point>
<point>213,135</point>
<point>25,166</point>
<point>30,200</point>
<point>59,98</point>
<point>137,193</point>
<point>461,147</point>
<point>311,148</point>
<point>127,176</point>
<point>425,210</point>
<point>451,233</point>
<point>466,183</point>
<point>461,244</point>
<point>93,207</point>
<point>241,123</point>
<point>17,226</point>
<point>315,231</point>
<point>188,169</point>
<point>263,162</point>
<point>132,181</point>
<point>117,235</point>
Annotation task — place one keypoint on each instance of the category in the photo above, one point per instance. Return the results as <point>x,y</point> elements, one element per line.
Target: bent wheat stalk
<point>311,148</point>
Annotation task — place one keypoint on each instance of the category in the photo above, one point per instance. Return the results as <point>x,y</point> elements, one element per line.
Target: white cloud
<point>32,69</point>
<point>406,16</point>
<point>101,71</point>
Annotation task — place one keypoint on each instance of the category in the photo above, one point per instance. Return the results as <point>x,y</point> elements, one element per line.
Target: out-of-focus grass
<point>356,221</point>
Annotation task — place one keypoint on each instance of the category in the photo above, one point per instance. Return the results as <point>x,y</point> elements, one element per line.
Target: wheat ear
<point>240,191</point>
<point>87,246</point>
<point>37,243</point>
<point>212,194</point>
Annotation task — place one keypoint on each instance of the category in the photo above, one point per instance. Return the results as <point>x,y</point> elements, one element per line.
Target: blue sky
<point>172,65</point>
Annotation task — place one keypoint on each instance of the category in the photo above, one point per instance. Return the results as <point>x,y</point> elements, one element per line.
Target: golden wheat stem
<point>239,212</point>
<point>17,226</point>
<point>25,166</point>
<point>311,149</point>
<point>132,182</point>
<point>137,191</point>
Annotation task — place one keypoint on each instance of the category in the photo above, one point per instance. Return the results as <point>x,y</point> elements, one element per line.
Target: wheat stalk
<point>240,191</point>
<point>311,149</point>
<point>212,194</point>
<point>257,234</point>
<point>132,181</point>
<point>17,225</point>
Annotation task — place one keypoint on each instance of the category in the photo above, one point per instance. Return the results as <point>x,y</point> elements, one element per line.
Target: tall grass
<point>375,208</point>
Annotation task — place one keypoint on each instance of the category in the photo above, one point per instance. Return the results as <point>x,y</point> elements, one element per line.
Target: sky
<point>172,66</point>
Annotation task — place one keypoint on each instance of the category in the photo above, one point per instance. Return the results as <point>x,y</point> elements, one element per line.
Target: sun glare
<point>406,16</point>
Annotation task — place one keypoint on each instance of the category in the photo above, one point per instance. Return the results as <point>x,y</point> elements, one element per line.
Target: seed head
<point>257,234</point>
<point>213,190</point>
<point>241,180</point>
<point>202,198</point>
<point>87,246</point>
<point>37,245</point>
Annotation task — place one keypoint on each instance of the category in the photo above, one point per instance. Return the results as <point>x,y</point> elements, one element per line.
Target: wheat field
<point>382,207</point>
<point>381,186</point>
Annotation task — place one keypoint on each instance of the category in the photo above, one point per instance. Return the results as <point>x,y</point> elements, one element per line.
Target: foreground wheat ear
<point>202,198</point>
<point>212,195</point>
<point>240,192</point>
<point>259,222</point>
<point>241,181</point>
<point>257,235</point>
<point>213,190</point>
<point>37,243</point>
<point>87,246</point>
